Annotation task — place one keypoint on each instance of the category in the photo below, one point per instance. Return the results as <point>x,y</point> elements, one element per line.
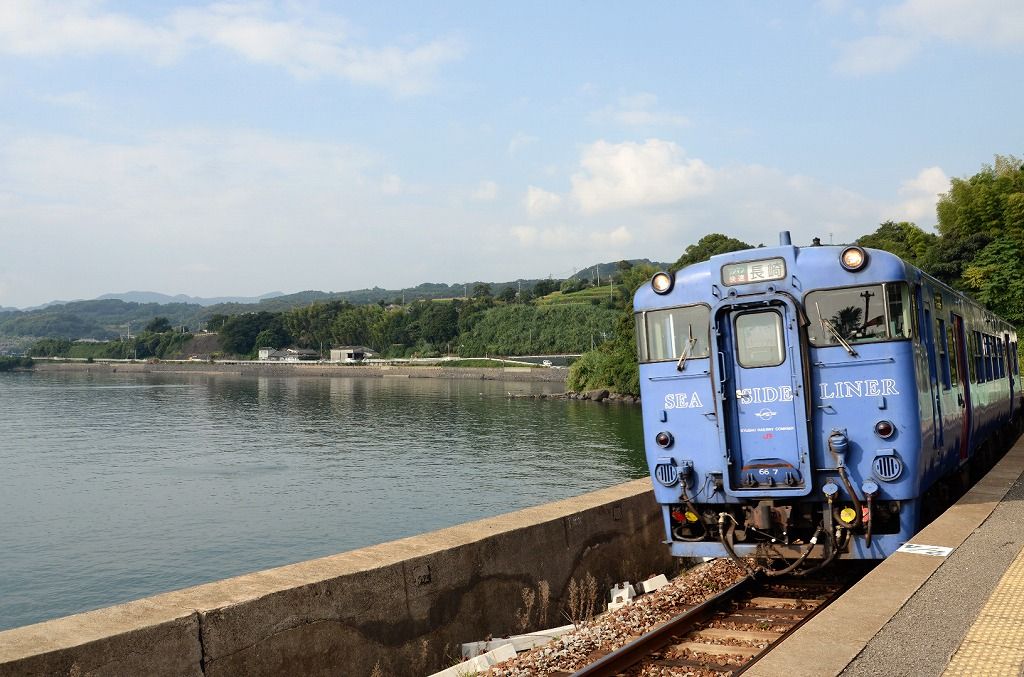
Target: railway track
<point>727,633</point>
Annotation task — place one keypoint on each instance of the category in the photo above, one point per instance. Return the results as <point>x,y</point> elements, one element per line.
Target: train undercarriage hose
<point>700,520</point>
<point>726,527</point>
<point>871,518</point>
<point>857,505</point>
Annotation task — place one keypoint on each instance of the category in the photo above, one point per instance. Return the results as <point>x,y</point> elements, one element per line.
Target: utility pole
<point>597,272</point>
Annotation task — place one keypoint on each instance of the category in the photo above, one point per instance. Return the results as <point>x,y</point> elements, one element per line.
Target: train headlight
<point>853,258</point>
<point>885,429</point>
<point>661,283</point>
<point>664,439</point>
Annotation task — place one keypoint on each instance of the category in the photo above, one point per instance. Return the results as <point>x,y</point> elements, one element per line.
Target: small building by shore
<point>287,355</point>
<point>351,354</point>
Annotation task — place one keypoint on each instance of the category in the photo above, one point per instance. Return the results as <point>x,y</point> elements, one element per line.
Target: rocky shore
<point>600,395</point>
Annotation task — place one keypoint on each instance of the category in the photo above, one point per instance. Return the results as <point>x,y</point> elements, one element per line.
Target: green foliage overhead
<point>905,240</point>
<point>981,224</point>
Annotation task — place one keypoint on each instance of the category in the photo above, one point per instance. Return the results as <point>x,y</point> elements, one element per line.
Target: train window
<point>759,339</point>
<point>954,357</point>
<point>979,357</point>
<point>858,314</point>
<point>944,355</point>
<point>1001,358</point>
<point>670,334</point>
<point>1014,358</point>
<point>988,357</point>
<point>897,297</point>
<point>641,336</point>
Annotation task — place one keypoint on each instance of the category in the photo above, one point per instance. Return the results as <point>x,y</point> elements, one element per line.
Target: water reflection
<point>118,486</point>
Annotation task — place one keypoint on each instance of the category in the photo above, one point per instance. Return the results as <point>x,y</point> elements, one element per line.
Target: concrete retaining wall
<point>403,606</point>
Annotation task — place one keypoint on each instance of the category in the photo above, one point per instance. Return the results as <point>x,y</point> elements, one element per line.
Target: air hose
<point>704,528</point>
<point>871,519</point>
<point>725,536</point>
<point>857,521</point>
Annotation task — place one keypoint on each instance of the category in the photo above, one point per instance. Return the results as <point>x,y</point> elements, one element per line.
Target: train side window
<point>954,355</point>
<point>943,355</point>
<point>1014,362</point>
<point>988,357</point>
<point>641,336</point>
<point>671,333</point>
<point>897,296</point>
<point>979,357</point>
<point>759,339</point>
<point>1000,357</point>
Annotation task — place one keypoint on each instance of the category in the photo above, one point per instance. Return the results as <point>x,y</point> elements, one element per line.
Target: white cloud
<point>918,196</point>
<point>984,23</point>
<point>486,190</point>
<point>552,237</point>
<point>904,29</point>
<point>620,181</point>
<point>655,172</point>
<point>639,110</point>
<point>539,202</point>
<point>306,45</point>
<point>618,237</point>
<point>44,28</point>
<point>876,54</point>
<point>573,238</point>
<point>520,141</point>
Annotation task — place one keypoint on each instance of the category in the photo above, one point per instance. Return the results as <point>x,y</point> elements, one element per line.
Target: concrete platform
<point>926,614</point>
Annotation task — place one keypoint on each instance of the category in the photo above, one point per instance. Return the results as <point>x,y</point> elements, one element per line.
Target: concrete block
<point>652,584</point>
<point>523,642</point>
<point>478,664</point>
<point>621,593</point>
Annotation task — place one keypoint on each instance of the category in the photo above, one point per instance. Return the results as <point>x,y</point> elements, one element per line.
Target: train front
<point>773,380</point>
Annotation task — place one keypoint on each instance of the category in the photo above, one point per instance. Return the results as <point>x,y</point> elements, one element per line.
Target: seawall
<point>402,607</point>
<point>312,369</point>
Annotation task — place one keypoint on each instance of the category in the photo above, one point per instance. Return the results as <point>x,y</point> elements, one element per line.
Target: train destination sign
<point>754,271</point>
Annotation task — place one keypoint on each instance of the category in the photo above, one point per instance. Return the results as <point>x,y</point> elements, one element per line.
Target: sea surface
<point>119,486</point>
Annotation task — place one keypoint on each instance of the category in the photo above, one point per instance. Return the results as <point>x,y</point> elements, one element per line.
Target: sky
<point>235,148</point>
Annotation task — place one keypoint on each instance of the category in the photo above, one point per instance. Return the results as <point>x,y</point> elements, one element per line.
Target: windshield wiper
<point>690,342</point>
<point>826,324</point>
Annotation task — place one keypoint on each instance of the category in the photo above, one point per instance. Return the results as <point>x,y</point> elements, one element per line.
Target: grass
<point>583,296</point>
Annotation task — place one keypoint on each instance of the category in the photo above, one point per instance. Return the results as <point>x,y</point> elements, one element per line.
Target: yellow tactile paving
<point>994,646</point>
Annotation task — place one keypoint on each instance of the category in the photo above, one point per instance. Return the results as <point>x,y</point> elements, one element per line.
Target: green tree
<point>905,240</point>
<point>708,246</point>
<point>158,325</point>
<point>508,294</point>
<point>482,290</point>
<point>544,287</point>
<point>981,224</point>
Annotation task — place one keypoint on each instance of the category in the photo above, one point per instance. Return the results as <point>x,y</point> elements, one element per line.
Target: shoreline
<point>532,374</point>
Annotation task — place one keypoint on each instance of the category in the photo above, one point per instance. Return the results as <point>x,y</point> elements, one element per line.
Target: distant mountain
<point>156,297</point>
<point>592,271</point>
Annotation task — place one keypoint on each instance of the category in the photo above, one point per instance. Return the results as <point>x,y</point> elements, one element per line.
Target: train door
<point>1008,365</point>
<point>963,397</point>
<point>928,339</point>
<point>765,403</point>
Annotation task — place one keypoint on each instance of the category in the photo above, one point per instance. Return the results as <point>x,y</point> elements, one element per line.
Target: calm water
<point>113,487</point>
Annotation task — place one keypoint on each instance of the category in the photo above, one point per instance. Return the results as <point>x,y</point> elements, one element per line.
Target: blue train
<point>808,403</point>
